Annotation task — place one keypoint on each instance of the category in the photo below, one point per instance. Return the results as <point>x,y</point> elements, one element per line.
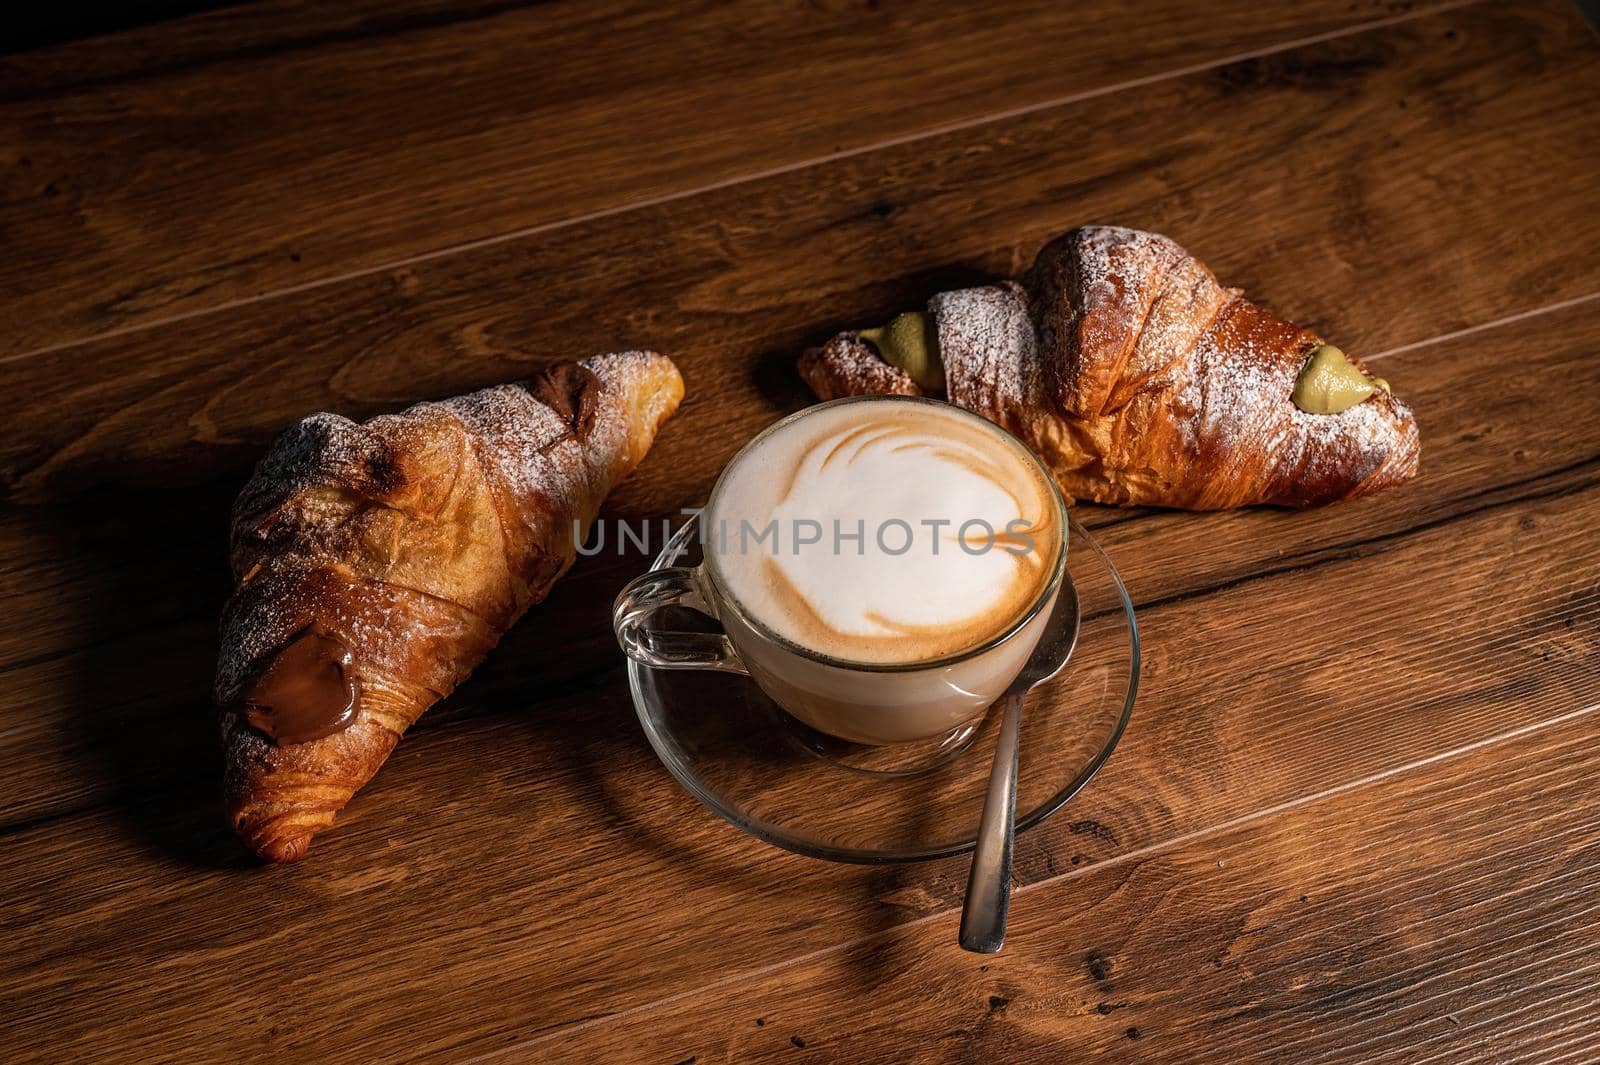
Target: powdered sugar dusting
<point>1242,392</point>
<point>1143,380</point>
<point>990,351</point>
<point>1116,266</point>
<point>292,531</point>
<point>1092,290</point>
<point>529,446</point>
<point>847,366</point>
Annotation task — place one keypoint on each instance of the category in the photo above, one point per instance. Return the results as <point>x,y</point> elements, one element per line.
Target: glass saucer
<point>773,777</point>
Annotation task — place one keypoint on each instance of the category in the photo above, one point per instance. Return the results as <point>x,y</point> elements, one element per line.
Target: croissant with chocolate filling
<point>376,565</point>
<point>1141,380</point>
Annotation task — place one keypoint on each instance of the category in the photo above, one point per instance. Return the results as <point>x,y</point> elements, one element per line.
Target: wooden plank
<point>1449,913</point>
<point>734,282</point>
<point>79,680</point>
<point>176,183</point>
<point>520,872</point>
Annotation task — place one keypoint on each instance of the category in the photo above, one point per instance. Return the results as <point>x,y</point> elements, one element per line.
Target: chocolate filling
<point>572,391</point>
<point>308,691</point>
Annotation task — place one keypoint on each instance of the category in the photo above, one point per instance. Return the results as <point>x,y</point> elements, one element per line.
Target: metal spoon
<point>983,914</point>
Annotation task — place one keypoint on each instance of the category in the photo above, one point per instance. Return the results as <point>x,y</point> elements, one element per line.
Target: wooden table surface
<point>1355,817</point>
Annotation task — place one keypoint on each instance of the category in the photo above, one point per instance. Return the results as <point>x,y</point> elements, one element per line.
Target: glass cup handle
<point>634,615</point>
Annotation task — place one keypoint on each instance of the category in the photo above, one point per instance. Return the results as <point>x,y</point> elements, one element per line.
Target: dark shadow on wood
<point>51,24</point>
<point>144,677</point>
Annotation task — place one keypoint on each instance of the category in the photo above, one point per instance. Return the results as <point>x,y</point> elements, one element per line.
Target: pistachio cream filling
<point>1331,383</point>
<point>910,343</point>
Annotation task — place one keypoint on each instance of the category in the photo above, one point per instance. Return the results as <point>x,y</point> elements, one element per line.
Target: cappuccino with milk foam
<point>887,533</point>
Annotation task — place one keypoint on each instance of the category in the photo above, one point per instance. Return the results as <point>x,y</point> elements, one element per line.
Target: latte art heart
<point>885,532</point>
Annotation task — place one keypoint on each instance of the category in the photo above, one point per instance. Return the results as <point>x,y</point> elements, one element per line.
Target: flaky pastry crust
<point>416,539</point>
<point>1141,380</point>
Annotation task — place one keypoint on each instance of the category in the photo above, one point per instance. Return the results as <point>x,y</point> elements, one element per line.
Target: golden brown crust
<point>1142,381</point>
<point>416,539</point>
<point>848,366</point>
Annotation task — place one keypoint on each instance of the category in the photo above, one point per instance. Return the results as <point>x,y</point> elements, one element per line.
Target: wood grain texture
<point>79,682</point>
<point>1450,913</point>
<point>1352,819</point>
<point>526,871</point>
<point>308,152</point>
<point>1497,125</point>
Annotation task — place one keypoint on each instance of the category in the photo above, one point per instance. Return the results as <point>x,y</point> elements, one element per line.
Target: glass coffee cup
<point>870,679</point>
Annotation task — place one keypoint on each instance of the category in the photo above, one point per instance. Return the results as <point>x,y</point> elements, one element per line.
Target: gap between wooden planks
<point>194,188</point>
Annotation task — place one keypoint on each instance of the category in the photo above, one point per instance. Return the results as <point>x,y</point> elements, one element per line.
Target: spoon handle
<point>983,914</point>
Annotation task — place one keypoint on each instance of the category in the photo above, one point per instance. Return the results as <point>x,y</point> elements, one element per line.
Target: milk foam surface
<point>884,531</point>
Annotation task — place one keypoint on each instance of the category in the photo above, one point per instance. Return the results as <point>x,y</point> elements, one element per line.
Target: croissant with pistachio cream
<point>377,563</point>
<point>1141,380</point>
